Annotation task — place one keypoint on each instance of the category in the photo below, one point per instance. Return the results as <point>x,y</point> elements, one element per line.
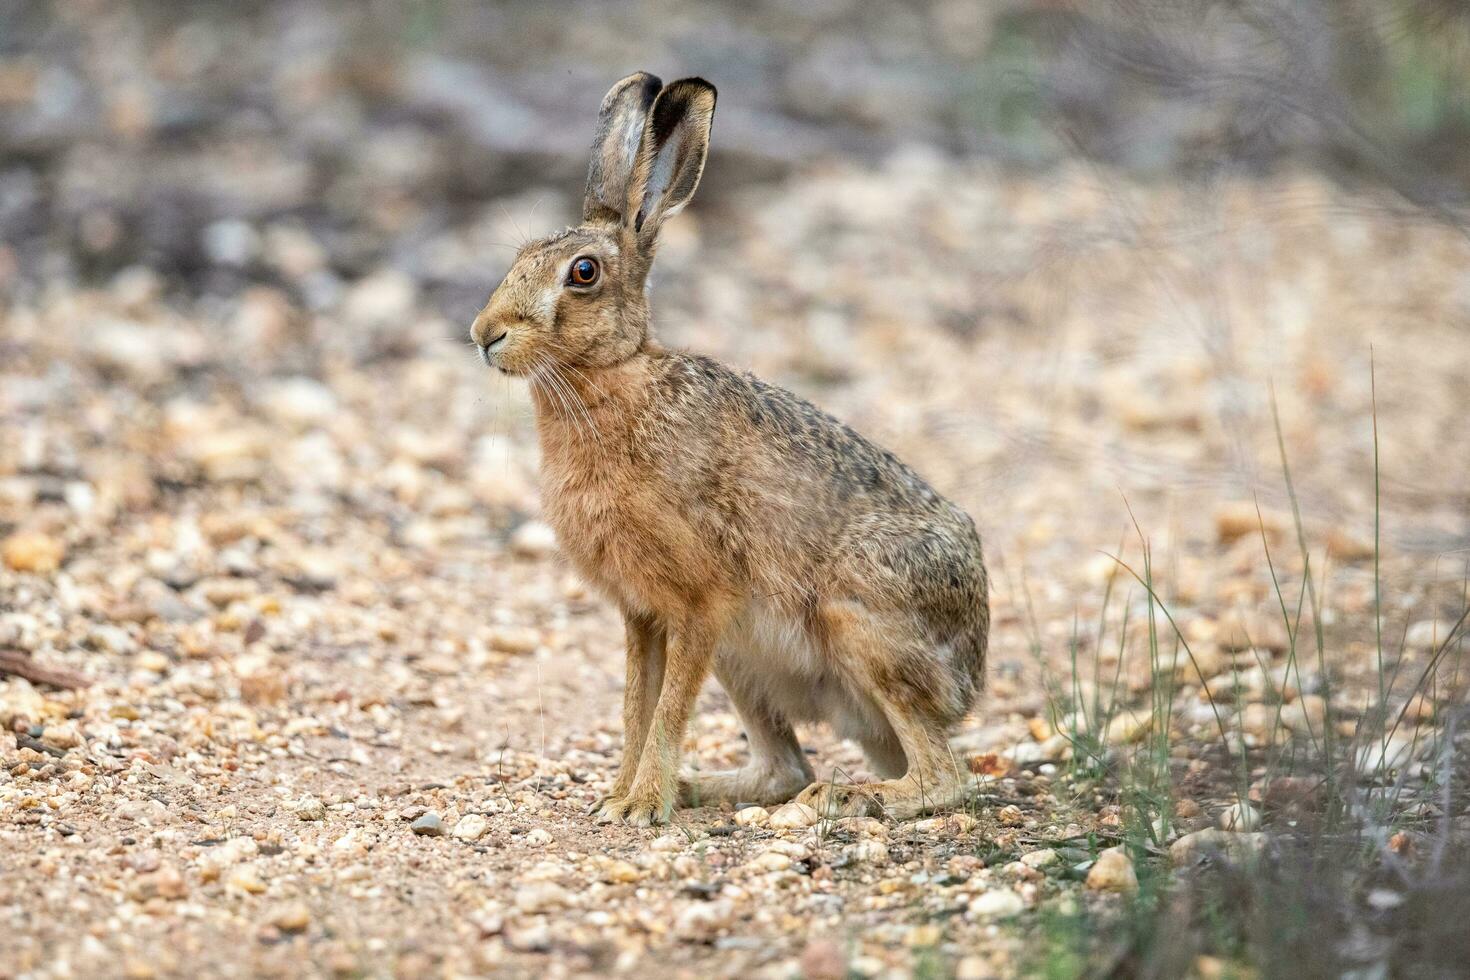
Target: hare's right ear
<point>671,160</point>
<point>620,126</point>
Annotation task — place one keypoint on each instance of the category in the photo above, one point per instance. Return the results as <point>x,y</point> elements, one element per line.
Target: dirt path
<point>297,552</point>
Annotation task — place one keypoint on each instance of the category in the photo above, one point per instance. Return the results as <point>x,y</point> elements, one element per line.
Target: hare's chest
<point>622,533</point>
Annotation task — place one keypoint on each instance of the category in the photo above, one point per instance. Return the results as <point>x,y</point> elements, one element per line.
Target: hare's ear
<point>675,143</point>
<point>620,125</point>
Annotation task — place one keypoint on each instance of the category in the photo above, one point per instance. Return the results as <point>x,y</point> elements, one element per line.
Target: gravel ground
<point>345,707</point>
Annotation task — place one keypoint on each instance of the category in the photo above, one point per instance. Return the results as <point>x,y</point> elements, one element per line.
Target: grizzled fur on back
<point>741,530</point>
<point>845,514</point>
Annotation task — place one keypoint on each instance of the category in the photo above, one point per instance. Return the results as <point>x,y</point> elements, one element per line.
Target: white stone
<point>1000,903</point>
<point>793,816</point>
<point>470,827</point>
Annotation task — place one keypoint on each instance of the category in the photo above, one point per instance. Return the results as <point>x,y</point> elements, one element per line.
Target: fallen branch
<point>21,664</point>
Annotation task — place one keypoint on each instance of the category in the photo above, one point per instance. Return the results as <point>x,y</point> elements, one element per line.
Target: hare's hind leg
<point>906,681</point>
<point>777,769</point>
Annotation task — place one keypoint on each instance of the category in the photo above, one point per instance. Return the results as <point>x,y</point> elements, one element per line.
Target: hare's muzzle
<point>488,334</point>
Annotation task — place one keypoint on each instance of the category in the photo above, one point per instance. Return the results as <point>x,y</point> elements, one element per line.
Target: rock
<point>166,883</point>
<point>949,825</point>
<point>999,903</point>
<point>111,639</point>
<point>291,917</point>
<point>263,687</point>
<point>1207,662</point>
<point>1016,869</point>
<point>702,920</point>
<point>860,826</point>
<point>309,808</point>
<point>923,936</point>
<point>869,851</point>
<point>533,539</point>
<point>1240,518</point>
<point>540,896</point>
<point>148,812</point>
<point>1379,757</point>
<point>383,299</point>
<point>1347,546</point>
<point>31,551</point>
<point>1202,845</point>
<point>1043,858</point>
<point>1112,872</point>
<point>1307,713</point>
<point>770,861</point>
<point>229,455</point>
<point>354,843</point>
<point>528,937</point>
<point>615,871</point>
<point>974,967</point>
<point>164,603</point>
<point>151,661</point>
<point>752,816</point>
<point>246,878</point>
<point>510,639</point>
<point>793,816</point>
<point>823,959</point>
<point>62,736</point>
<point>1239,630</point>
<point>215,860</point>
<point>230,241</point>
<point>1428,634</point>
<point>428,825</point>
<point>300,402</point>
<point>1128,726</point>
<point>1293,795</point>
<point>471,827</point>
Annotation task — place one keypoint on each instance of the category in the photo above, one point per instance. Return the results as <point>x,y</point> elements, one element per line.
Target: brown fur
<point>741,530</point>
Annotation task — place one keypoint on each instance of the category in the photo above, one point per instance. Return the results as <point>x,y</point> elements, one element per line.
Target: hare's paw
<point>832,800</point>
<point>634,810</point>
<point>747,785</point>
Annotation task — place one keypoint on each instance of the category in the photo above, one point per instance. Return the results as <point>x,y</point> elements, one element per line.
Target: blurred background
<point>219,143</point>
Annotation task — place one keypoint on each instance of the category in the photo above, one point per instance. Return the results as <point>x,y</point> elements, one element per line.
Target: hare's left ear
<point>671,159</point>
<point>615,148</point>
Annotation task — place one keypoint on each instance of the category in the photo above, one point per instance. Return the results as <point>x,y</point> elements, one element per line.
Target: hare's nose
<point>491,346</point>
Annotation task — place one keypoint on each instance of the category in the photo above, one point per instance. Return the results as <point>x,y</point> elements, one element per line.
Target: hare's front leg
<point>655,788</point>
<point>646,642</point>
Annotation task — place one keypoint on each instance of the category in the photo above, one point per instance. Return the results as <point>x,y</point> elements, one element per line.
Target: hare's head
<point>578,297</point>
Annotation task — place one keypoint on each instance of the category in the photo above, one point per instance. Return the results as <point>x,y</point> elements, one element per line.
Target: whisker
<point>546,373</point>
<point>579,402</point>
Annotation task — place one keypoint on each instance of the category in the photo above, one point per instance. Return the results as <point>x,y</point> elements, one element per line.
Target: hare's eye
<point>584,272</point>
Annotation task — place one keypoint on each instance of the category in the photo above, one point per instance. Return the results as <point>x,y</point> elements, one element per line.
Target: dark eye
<point>584,272</point>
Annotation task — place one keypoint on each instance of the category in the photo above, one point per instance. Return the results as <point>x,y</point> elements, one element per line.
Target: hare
<point>739,529</point>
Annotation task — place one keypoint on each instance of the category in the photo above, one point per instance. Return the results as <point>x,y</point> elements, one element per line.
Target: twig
<point>20,664</point>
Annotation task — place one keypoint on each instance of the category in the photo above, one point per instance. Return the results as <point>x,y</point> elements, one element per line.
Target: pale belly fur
<point>767,656</point>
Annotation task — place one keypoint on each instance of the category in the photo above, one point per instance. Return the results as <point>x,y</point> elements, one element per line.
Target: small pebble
<point>470,827</point>
<point>292,917</point>
<point>309,808</point>
<point>1112,872</point>
<point>999,903</point>
<point>428,825</point>
<point>793,816</point>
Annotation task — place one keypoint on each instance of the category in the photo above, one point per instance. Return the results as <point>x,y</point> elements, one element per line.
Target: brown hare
<point>739,529</point>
